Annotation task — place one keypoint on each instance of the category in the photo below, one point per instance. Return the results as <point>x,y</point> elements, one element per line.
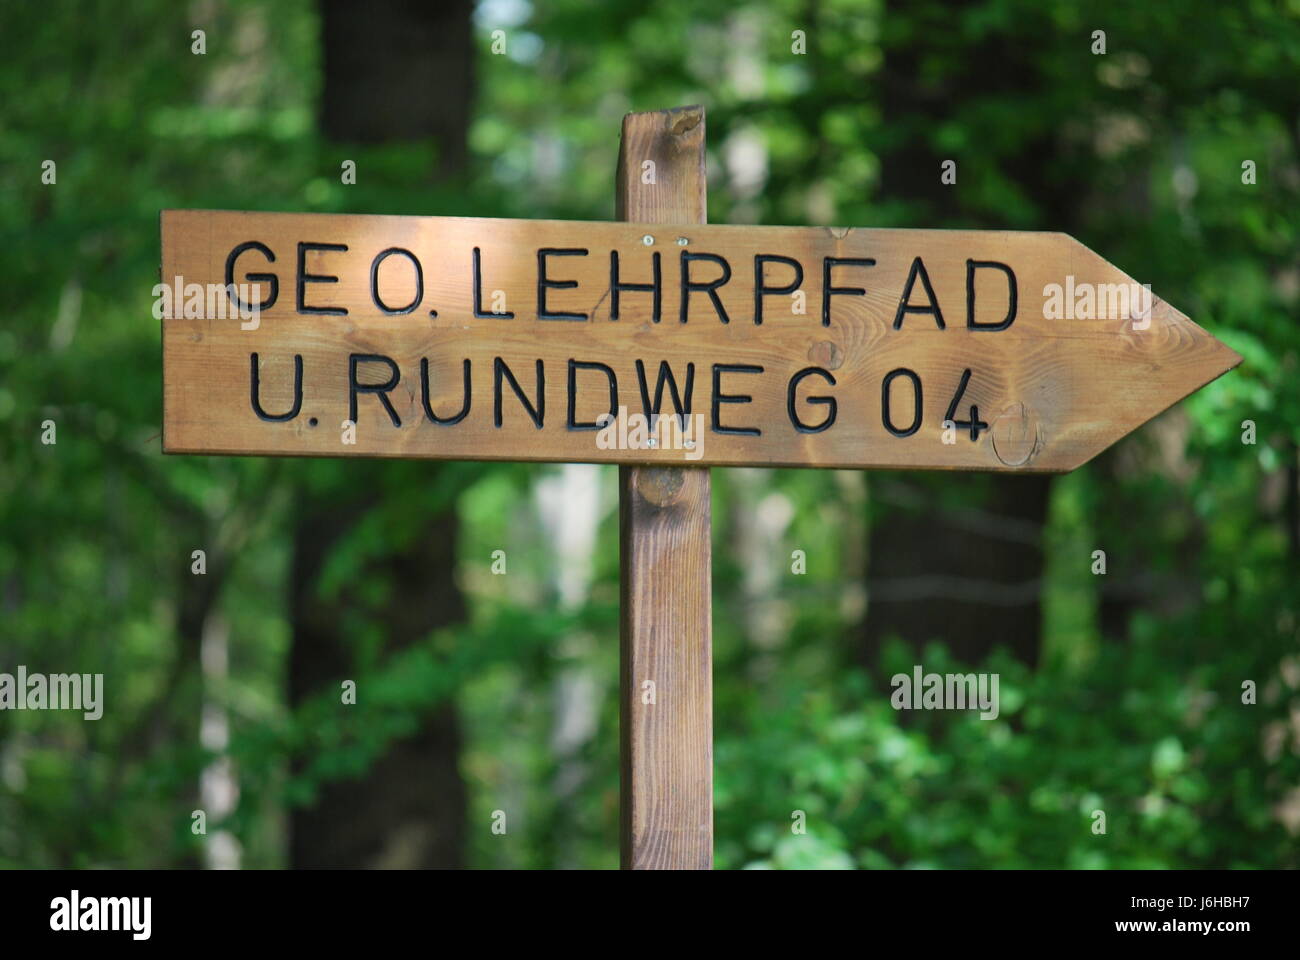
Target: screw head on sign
<point>648,240</point>
<point>682,241</point>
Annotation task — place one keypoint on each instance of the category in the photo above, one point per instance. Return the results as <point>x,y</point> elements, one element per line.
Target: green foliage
<point>1149,726</point>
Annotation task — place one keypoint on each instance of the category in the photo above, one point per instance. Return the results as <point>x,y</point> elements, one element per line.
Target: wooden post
<point>666,627</point>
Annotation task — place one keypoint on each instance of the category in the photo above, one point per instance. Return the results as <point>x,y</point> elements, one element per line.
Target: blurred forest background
<point>478,692</point>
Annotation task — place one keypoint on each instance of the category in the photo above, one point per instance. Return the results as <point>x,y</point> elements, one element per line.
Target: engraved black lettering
<point>255,391</point>
<point>478,292</point>
<point>374,281</point>
<point>905,305</point>
<point>974,423</point>
<point>574,367</point>
<point>544,284</point>
<point>615,285</point>
<point>270,278</point>
<point>828,291</point>
<point>424,395</point>
<point>305,278</point>
<point>683,410</point>
<point>971,267</point>
<point>710,286</point>
<point>829,402</point>
<point>538,412</point>
<point>379,389</point>
<point>885,414</point>
<point>760,290</point>
<point>720,398</point>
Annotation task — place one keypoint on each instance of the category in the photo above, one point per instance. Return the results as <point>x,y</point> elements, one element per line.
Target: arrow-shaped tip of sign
<point>1137,363</point>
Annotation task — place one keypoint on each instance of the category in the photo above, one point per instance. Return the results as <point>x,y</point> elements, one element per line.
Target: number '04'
<point>973,423</point>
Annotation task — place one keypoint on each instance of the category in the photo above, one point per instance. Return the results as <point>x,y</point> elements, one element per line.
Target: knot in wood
<point>826,353</point>
<point>1017,435</point>
<point>660,485</point>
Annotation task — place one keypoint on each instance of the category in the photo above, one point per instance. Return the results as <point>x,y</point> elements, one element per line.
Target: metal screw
<point>648,240</point>
<point>682,241</point>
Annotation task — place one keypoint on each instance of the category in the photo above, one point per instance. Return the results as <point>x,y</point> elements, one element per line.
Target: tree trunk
<point>969,575</point>
<point>956,557</point>
<point>399,70</point>
<point>394,70</point>
<point>408,809</point>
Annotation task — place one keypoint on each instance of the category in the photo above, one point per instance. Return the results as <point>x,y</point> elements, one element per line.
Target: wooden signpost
<point>667,346</point>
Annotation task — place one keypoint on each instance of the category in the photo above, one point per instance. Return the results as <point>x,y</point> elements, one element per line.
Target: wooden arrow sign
<point>469,339</point>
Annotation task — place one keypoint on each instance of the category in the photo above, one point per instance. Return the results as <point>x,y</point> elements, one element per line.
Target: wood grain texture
<point>1054,391</point>
<point>666,625</point>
